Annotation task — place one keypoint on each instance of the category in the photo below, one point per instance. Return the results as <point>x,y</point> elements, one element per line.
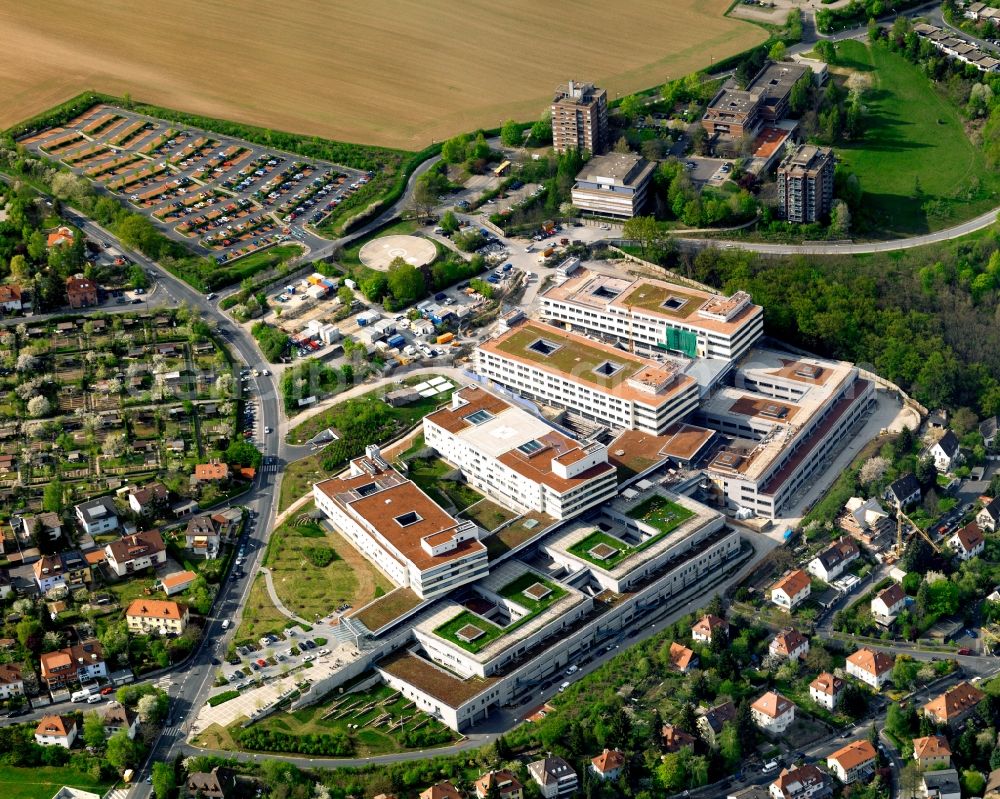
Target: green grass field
<point>43,782</point>
<point>661,513</point>
<point>917,167</point>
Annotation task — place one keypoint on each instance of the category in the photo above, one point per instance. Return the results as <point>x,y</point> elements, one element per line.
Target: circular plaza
<point>379,253</point>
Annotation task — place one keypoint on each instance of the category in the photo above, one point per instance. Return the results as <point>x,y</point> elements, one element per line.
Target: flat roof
<point>638,451</point>
<point>400,512</point>
<point>518,439</point>
<point>434,680</point>
<point>775,80</point>
<point>579,359</point>
<point>659,298</point>
<point>620,169</point>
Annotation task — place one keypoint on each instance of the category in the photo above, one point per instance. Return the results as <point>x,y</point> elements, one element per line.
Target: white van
<point>563,687</point>
<point>225,624</point>
<point>93,699</point>
<point>80,696</point>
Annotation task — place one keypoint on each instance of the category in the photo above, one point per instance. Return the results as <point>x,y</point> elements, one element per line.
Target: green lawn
<point>918,169</point>
<point>428,473</point>
<point>660,513</point>
<point>42,782</point>
<point>582,549</point>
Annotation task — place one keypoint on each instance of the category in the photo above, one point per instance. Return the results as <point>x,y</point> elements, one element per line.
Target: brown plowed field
<point>392,72</point>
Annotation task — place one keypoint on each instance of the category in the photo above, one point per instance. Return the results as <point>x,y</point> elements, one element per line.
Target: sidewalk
<point>276,601</point>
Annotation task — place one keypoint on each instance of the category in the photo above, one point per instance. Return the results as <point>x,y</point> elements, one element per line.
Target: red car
<point>965,651</point>
<point>109,690</point>
<point>261,662</point>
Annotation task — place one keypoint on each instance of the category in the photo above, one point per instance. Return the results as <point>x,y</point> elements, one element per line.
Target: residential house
<point>64,570</point>
<point>804,782</point>
<point>931,752</point>
<point>682,658</point>
<point>829,564</point>
<point>78,663</point>
<point>117,718</point>
<point>177,581</point>
<point>211,472</point>
<point>708,626</point>
<point>674,739</point>
<point>968,542</point>
<point>853,762</point>
<point>942,784</point>
<point>946,452</point>
<point>145,499</point>
<point>60,236</point>
<point>773,713</point>
<point>507,786</point>
<point>443,790</point>
<point>44,526</point>
<point>871,667</point>
<point>989,517</point>
<point>789,644</point>
<point>888,604</point>
<point>202,536</point>
<point>554,776</point>
<point>97,515</point>
<point>219,783</point>
<point>791,590</point>
<point>826,690</point>
<point>10,298</point>
<point>711,721</point>
<point>227,522</point>
<point>954,705</point>
<point>132,553</point>
<point>56,731</point>
<point>81,292</point>
<point>903,491</point>
<point>608,765</point>
<point>157,616</point>
<point>5,587</point>
<point>11,680</point>
<point>988,430</point>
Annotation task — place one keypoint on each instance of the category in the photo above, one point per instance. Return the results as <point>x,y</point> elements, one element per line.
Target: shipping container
<point>445,338</point>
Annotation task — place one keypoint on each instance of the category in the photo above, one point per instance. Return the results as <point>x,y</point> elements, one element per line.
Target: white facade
<point>872,668</point>
<point>774,718</point>
<point>720,327</point>
<point>888,604</point>
<point>826,690</point>
<point>97,516</point>
<point>636,404</point>
<point>518,459</point>
<point>441,553</point>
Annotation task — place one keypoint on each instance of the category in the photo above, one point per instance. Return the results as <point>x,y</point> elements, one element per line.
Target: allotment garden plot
<point>223,196</point>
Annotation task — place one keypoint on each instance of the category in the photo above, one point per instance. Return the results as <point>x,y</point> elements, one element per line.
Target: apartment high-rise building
<point>805,183</point>
<point>580,118</point>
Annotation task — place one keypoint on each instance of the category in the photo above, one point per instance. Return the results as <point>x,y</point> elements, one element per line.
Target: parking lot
<point>710,171</point>
<point>226,197</point>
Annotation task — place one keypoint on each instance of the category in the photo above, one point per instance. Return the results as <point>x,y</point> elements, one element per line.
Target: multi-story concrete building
<point>157,616</point>
<point>614,185</point>
<point>655,316</point>
<point>594,380</point>
<point>518,459</point>
<point>784,416</point>
<point>580,118</point>
<point>805,184</point>
<point>733,114</point>
<point>402,530</point>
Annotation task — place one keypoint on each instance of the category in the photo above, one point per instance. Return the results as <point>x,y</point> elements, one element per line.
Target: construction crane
<point>900,517</point>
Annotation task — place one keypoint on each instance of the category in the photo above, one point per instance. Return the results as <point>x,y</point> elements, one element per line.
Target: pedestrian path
<point>277,602</point>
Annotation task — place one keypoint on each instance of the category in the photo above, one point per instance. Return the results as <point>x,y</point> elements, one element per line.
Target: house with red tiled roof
<point>791,590</point>
<point>162,616</point>
<point>682,658</point>
<point>11,680</point>
<point>955,705</point>
<point>707,626</point>
<point>968,542</point>
<point>804,782</point>
<point>80,662</point>
<point>443,790</point>
<point>507,785</point>
<point>608,764</point>
<point>932,751</point>
<point>133,553</point>
<point>871,667</point>
<point>211,472</point>
<point>10,297</point>
<point>81,292</point>
<point>826,690</point>
<point>56,731</point>
<point>176,582</point>
<point>773,713</point>
<point>853,762</point>
<point>789,644</point>
<point>674,739</point>
<point>59,237</point>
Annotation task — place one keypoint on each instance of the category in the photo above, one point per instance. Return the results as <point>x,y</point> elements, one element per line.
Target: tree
<point>909,778</point>
<point>406,282</point>
<point>645,230</point>
<point>510,134</point>
<point>346,296</point>
<point>39,406</point>
<point>93,731</point>
<point>164,780</point>
<point>425,195</point>
<point>973,782</point>
<point>243,453</point>
<point>622,147</point>
<point>449,222</point>
<point>873,470</point>
<point>122,751</point>
<point>19,268</point>
<point>673,770</point>
<point>541,131</point>
<point>30,633</point>
<point>840,218</point>
<point>148,708</point>
<point>115,445</point>
<point>630,107</point>
<point>777,51</point>
<point>729,745</point>
<point>54,496</point>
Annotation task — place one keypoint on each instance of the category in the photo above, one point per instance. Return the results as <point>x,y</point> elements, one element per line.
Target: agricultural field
<point>917,167</point>
<point>423,86</point>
